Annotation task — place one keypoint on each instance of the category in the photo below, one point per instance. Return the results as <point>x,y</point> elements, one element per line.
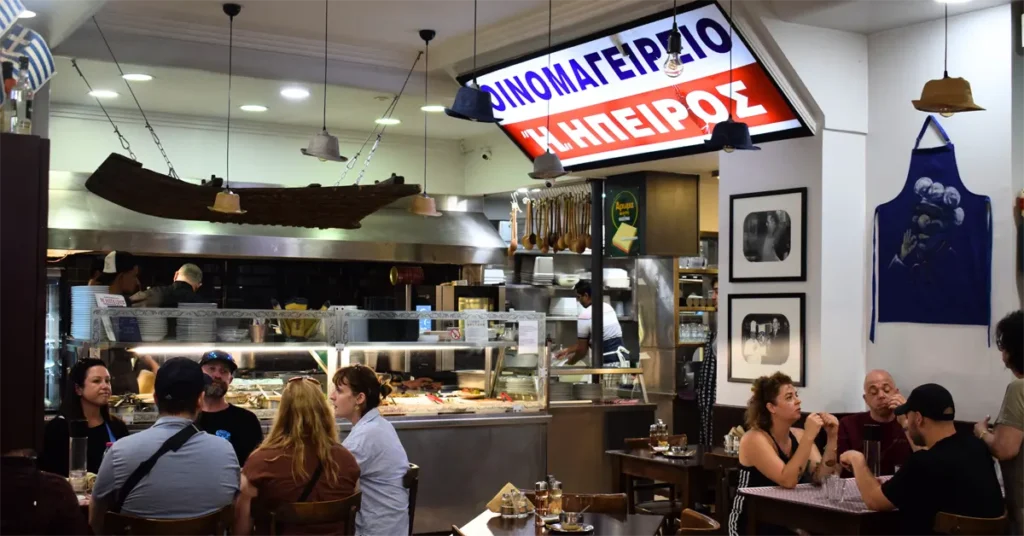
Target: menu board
<point>611,104</point>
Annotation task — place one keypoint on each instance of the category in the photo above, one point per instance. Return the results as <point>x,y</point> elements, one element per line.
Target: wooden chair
<point>341,513</point>
<point>954,524</point>
<point>643,443</point>
<point>213,523</point>
<point>670,508</point>
<point>691,522</point>
<point>411,482</point>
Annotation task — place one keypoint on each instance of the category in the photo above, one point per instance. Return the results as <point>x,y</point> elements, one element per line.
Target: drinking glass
<point>77,463</point>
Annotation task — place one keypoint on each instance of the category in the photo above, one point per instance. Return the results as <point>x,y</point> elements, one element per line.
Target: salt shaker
<point>508,510</point>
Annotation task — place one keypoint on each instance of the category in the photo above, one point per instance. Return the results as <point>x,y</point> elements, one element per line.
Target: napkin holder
<point>494,505</point>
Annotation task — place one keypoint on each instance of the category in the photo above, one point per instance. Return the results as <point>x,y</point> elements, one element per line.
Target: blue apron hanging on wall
<point>934,245</point>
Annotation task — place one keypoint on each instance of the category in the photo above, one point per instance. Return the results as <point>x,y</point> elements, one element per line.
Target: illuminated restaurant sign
<point>611,103</point>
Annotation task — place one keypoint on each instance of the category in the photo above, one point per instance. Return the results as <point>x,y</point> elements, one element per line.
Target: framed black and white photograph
<point>768,233</point>
<point>766,335</point>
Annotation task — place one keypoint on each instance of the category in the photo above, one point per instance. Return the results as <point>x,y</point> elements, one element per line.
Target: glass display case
<point>468,362</point>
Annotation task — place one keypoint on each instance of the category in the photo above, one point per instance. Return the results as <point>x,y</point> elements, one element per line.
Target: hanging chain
<point>426,86</point>
<point>547,127</point>
<point>152,132</point>
<point>732,45</point>
<point>227,142</point>
<point>120,137</point>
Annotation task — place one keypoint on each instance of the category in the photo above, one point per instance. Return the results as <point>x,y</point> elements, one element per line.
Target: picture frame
<point>767,333</point>
<point>768,241</point>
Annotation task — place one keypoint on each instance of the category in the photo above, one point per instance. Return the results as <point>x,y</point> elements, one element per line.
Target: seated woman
<point>374,443</point>
<point>84,410</point>
<point>299,461</point>
<point>773,453</point>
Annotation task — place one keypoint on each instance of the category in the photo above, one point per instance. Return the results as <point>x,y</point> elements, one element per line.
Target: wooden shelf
<point>698,309</point>
<point>698,271</point>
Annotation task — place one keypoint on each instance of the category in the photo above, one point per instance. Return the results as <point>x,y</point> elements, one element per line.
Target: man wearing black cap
<point>197,474</point>
<point>954,474</point>
<point>239,426</point>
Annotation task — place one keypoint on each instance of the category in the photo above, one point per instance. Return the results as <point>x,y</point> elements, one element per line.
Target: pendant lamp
<point>548,166</point>
<point>731,135</point>
<point>471,102</point>
<point>424,205</point>
<point>946,95</point>
<point>673,66</point>
<point>323,145</point>
<point>228,202</point>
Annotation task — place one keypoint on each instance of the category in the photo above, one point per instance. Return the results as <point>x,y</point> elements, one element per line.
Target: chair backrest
<point>643,443</point>
<point>341,513</point>
<point>213,523</point>
<point>953,524</point>
<point>691,522</point>
<point>600,503</point>
<point>411,482</point>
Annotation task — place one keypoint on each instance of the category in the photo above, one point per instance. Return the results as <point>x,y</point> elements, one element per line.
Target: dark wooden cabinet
<point>24,185</point>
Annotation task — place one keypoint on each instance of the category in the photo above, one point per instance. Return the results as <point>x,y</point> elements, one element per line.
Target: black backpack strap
<point>174,443</point>
<point>312,483</point>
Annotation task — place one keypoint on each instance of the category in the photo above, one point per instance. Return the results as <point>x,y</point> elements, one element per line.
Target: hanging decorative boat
<point>125,182</point>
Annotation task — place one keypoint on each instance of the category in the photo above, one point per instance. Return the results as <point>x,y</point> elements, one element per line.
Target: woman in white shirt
<point>375,445</point>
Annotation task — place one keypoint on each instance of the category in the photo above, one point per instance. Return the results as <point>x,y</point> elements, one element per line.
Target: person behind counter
<point>612,350</point>
<point>187,281</point>
<point>239,426</point>
<point>84,411</point>
<point>120,274</point>
<point>301,459</point>
<point>375,445</point>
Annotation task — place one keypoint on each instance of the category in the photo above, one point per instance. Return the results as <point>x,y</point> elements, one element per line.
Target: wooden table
<point>806,508</point>
<point>721,463</point>
<point>649,464</point>
<point>491,524</point>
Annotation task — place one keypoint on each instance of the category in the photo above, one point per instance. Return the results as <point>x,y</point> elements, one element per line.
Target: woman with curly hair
<point>300,460</point>
<point>773,453</point>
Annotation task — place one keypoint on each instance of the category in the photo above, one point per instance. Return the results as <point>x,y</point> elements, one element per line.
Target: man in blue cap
<point>239,426</point>
<point>954,473</point>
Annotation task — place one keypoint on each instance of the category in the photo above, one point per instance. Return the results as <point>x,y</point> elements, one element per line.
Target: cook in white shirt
<point>611,337</point>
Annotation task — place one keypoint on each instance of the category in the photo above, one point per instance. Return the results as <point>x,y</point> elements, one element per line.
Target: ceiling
<point>869,16</point>
<point>204,94</point>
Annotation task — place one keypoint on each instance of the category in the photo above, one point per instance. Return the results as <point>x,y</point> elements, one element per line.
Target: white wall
<point>901,60</point>
<point>81,138</point>
<point>504,171</point>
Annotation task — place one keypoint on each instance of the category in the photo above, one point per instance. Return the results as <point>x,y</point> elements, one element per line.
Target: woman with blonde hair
<point>773,453</point>
<point>300,459</point>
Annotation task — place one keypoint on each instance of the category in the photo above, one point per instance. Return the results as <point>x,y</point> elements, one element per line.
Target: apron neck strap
<point>938,127</point>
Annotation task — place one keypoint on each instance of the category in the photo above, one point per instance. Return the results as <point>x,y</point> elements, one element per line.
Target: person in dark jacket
<point>36,502</point>
<point>187,281</point>
<point>84,412</point>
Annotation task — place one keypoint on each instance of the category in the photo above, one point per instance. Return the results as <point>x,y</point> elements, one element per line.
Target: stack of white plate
<point>494,276</point>
<point>197,329</point>
<point>559,391</point>
<point>565,306</point>
<point>587,391</point>
<point>232,334</point>
<point>543,272</point>
<point>152,328</point>
<point>83,300</point>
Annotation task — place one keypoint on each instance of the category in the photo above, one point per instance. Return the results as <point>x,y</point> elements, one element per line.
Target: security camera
<point>486,154</point>
<point>549,183</point>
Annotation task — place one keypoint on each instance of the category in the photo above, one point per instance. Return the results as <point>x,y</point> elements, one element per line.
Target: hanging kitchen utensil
<point>731,135</point>
<point>228,202</point>
<point>590,208</point>
<point>534,224</point>
<point>544,246</point>
<point>552,233</point>
<point>424,205</point>
<point>472,103</point>
<point>515,226</point>
<point>947,96</point>
<point>526,228</point>
<point>581,240</point>
<point>322,145</point>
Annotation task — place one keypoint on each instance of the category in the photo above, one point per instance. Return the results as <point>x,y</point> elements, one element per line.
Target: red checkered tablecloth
<point>811,495</point>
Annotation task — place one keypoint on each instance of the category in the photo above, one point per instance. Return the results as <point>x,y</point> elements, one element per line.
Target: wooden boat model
<point>125,182</point>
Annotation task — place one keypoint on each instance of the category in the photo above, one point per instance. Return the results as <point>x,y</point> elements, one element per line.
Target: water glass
<point>77,463</point>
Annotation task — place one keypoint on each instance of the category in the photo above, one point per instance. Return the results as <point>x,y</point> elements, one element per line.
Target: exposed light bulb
<point>728,148</point>
<point>673,66</point>
<point>946,114</point>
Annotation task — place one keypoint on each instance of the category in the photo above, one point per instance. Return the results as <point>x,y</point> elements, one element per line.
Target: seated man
<point>954,475</point>
<point>881,396</point>
<point>198,478</point>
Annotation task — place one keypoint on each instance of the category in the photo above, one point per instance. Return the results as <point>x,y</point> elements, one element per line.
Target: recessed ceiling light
<point>535,190</point>
<point>27,14</point>
<point>295,93</point>
<point>523,190</point>
<point>252,108</point>
<point>103,94</point>
<point>137,77</point>
<point>387,121</point>
<point>433,108</point>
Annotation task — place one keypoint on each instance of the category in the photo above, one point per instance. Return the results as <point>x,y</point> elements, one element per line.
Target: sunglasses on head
<point>307,378</point>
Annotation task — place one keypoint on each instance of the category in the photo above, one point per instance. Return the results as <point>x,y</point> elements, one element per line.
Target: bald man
<point>881,396</point>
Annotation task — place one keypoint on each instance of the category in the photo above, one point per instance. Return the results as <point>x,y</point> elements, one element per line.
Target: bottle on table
<point>8,83</point>
<point>873,447</point>
<point>540,493</point>
<point>18,101</point>
<point>555,499</point>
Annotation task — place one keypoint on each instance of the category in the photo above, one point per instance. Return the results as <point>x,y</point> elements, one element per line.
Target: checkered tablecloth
<point>814,496</point>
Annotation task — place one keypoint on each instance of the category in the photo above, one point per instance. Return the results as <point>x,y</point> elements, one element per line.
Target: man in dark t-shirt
<point>239,426</point>
<point>955,474</point>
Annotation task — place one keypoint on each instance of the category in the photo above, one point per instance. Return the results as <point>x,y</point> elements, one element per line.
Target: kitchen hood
<point>82,221</point>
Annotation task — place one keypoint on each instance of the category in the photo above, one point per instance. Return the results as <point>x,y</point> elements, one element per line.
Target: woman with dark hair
<point>85,411</point>
<point>773,453</point>
<point>1006,440</point>
<point>382,461</point>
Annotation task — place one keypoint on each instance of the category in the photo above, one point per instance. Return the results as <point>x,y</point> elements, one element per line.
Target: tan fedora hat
<point>422,205</point>
<point>227,202</point>
<point>947,96</point>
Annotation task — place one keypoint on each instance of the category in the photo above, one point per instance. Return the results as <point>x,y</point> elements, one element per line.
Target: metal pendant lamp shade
<point>325,147</point>
<point>731,135</point>
<point>424,205</point>
<point>547,166</point>
<point>472,104</point>
<point>322,145</point>
<point>947,96</point>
